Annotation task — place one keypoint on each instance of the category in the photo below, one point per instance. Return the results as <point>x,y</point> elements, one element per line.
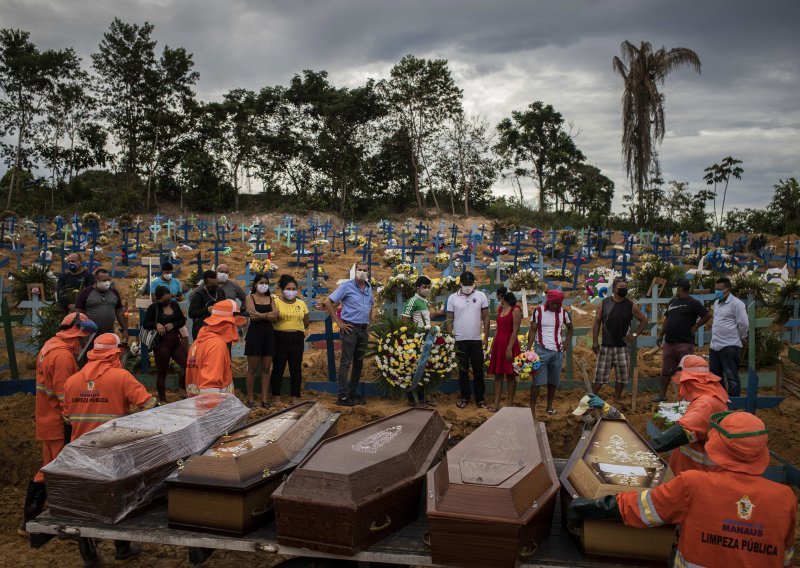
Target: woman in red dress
<point>505,347</point>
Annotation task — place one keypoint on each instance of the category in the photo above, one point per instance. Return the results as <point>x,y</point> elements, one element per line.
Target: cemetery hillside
<point>112,164</point>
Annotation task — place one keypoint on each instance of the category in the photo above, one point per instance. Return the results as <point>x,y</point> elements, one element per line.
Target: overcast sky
<point>504,55</point>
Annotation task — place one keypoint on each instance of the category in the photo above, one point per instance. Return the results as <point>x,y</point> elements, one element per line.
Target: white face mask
<point>167,277</point>
<point>104,285</point>
<point>222,277</point>
<point>290,294</point>
<point>467,290</point>
<point>263,288</point>
<point>361,275</point>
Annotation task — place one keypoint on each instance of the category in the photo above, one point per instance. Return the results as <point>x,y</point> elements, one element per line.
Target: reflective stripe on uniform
<point>788,556</point>
<point>49,392</point>
<point>694,455</point>
<point>691,436</point>
<point>647,511</point>
<point>681,562</point>
<point>149,404</point>
<point>193,389</point>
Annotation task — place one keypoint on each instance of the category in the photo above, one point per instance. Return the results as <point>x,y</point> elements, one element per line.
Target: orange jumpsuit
<point>208,368</point>
<point>696,423</point>
<point>54,365</point>
<point>726,518</point>
<point>93,398</point>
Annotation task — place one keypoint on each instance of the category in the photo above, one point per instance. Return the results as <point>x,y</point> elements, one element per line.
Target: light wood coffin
<point>356,488</point>
<point>228,488</point>
<point>121,465</point>
<point>491,499</point>
<point>609,459</point>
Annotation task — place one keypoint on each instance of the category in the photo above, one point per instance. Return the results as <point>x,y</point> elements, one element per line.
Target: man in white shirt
<point>466,310</point>
<point>545,335</point>
<point>729,330</point>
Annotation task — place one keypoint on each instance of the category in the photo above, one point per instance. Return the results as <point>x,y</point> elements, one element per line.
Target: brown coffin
<point>356,488</point>
<point>121,466</point>
<point>591,472</point>
<point>492,497</point>
<point>228,488</point>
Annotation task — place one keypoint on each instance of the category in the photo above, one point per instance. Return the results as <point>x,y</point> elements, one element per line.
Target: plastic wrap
<point>120,466</point>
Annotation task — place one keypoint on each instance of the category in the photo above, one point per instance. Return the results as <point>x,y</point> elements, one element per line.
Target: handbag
<point>149,337</point>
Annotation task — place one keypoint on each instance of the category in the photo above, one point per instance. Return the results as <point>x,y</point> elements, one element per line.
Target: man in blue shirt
<point>167,281</point>
<point>355,296</point>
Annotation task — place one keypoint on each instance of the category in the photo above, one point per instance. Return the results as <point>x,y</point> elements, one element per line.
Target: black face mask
<point>164,303</point>
<point>622,292</point>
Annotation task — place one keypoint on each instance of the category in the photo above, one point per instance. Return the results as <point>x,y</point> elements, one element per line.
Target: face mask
<point>719,294</point>
<point>424,292</point>
<point>222,277</point>
<point>263,288</point>
<point>104,285</point>
<point>467,290</point>
<point>622,292</point>
<point>167,277</point>
<point>72,266</point>
<point>361,275</point>
<point>290,294</point>
<point>164,303</point>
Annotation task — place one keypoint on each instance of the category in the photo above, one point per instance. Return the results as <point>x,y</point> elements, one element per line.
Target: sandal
<point>265,404</point>
<point>462,403</point>
<point>492,409</point>
<point>482,404</point>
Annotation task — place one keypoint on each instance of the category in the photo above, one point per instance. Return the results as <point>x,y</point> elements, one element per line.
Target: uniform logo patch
<point>744,508</point>
<point>90,385</point>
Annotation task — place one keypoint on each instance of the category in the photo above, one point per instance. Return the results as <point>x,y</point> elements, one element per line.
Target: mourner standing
<point>290,338</point>
<point>545,336</point>
<point>208,368</point>
<point>729,331</point>
<point>730,517</point>
<point>418,311</point>
<point>203,300</point>
<point>683,317</point>
<point>259,347</point>
<point>166,317</point>
<point>505,347</point>
<point>56,362</point>
<point>468,311</point>
<point>230,288</point>
<point>615,315</point>
<point>102,304</point>
<point>72,281</point>
<point>355,296</point>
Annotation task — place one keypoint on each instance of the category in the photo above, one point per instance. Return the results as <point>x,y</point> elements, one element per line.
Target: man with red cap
<point>545,335</point>
<point>98,393</point>
<point>56,362</point>
<point>687,438</point>
<point>729,517</point>
<point>208,369</point>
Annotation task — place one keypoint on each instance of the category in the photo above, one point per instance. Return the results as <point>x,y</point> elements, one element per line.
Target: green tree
<point>643,71</point>
<point>535,144</point>
<point>721,173</point>
<point>785,206</point>
<point>423,96</point>
<point>28,78</point>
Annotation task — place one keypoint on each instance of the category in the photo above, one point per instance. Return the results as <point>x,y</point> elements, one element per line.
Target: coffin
<point>356,488</point>
<point>610,459</point>
<point>121,466</point>
<point>228,488</point>
<point>491,499</point>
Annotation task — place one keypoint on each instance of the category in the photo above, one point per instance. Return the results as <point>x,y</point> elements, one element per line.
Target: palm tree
<point>642,71</point>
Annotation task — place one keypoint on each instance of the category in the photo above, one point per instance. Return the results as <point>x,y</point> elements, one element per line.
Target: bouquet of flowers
<point>504,266</point>
<point>648,258</point>
<point>555,274</point>
<point>400,282</point>
<point>90,217</point>
<point>398,348</point>
<point>526,279</point>
<point>568,237</point>
<point>448,242</point>
<point>405,268</point>
<point>526,364</point>
<point>262,265</point>
<point>440,286</point>
<point>319,243</point>
<point>441,259</point>
<point>598,282</point>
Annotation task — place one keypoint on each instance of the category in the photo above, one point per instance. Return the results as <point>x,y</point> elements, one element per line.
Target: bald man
<point>230,288</point>
<point>70,283</point>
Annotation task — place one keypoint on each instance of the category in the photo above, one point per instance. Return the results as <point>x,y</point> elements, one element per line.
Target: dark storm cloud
<point>504,55</point>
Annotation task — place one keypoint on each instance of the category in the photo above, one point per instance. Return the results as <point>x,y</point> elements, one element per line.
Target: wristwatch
<point>635,334</point>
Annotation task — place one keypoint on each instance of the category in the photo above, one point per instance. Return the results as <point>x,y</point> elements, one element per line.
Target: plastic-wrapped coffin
<point>228,488</point>
<point>356,488</point>
<point>491,499</point>
<point>121,466</point>
<point>610,459</point>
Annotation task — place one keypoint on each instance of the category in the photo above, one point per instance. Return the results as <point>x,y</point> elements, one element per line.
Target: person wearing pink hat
<point>56,362</point>
<point>208,369</point>
<point>729,517</point>
<point>545,336</point>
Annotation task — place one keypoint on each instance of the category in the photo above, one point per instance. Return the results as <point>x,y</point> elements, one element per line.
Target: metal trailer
<point>405,547</point>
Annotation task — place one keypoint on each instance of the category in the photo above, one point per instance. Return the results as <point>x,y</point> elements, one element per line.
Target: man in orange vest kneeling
<point>729,517</point>
<point>208,369</point>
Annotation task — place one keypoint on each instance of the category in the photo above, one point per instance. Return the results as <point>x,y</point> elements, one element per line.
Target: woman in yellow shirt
<point>290,337</point>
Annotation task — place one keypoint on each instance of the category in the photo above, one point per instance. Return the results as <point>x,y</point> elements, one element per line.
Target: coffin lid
<point>610,459</point>
<point>369,460</point>
<point>502,470</point>
<point>259,450</point>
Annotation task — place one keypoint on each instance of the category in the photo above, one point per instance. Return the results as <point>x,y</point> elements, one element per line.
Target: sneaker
<point>358,400</point>
<point>342,401</point>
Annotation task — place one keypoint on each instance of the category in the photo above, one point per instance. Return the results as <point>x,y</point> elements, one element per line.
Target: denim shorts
<point>549,371</point>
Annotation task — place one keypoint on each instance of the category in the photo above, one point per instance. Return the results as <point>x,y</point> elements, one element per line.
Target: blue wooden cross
<point>751,401</point>
<point>301,239</point>
<point>199,263</point>
<point>202,227</point>
<point>438,239</point>
<point>366,250</point>
<point>138,231</point>
<point>517,249</point>
<point>316,259</point>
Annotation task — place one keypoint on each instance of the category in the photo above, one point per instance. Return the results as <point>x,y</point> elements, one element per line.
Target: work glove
<point>602,508</point>
<point>596,402</point>
<point>674,437</point>
<point>67,433</point>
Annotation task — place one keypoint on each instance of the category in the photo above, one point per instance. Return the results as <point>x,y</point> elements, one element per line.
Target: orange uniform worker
<point>54,365</point>
<point>687,438</point>
<point>98,393</point>
<point>208,369</point>
<point>729,517</point>
<point>102,390</point>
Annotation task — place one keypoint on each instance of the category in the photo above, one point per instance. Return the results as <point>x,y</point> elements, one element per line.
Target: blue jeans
<point>550,369</point>
<point>725,363</point>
